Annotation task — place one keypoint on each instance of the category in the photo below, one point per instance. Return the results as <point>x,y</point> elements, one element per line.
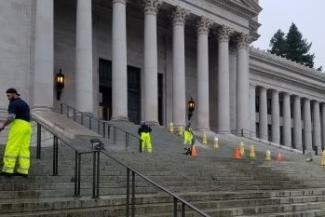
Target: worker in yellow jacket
<point>144,132</point>
<point>19,136</point>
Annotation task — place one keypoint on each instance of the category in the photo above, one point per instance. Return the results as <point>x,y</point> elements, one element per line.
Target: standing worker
<point>18,137</point>
<point>144,132</point>
<point>188,136</point>
<point>189,139</point>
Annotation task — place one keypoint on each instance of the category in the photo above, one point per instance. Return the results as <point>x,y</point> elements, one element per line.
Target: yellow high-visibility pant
<point>188,137</point>
<point>146,142</point>
<point>18,147</point>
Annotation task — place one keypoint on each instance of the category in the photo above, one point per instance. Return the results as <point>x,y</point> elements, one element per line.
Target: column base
<point>242,132</point>
<point>152,123</point>
<point>120,118</point>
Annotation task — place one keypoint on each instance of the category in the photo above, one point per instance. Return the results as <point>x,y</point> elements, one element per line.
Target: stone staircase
<point>213,182</point>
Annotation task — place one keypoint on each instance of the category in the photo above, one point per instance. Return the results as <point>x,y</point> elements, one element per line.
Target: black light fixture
<point>59,83</point>
<point>190,108</point>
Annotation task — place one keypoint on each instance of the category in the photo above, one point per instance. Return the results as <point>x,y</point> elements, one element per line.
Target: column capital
<point>151,6</point>
<point>119,1</point>
<point>224,33</point>
<point>242,40</point>
<point>179,15</point>
<point>203,25</point>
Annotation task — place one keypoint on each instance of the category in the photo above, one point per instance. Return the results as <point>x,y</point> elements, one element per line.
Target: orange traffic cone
<point>279,156</point>
<point>194,151</point>
<point>237,154</point>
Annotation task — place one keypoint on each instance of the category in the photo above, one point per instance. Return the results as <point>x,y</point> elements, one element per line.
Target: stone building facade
<point>144,59</point>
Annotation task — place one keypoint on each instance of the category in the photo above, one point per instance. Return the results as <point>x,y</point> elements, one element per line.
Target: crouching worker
<point>144,132</point>
<point>19,136</point>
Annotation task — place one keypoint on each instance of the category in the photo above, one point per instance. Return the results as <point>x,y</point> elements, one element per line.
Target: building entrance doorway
<point>134,91</point>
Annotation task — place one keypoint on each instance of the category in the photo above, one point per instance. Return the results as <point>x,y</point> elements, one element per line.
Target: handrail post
<point>61,108</point>
<point>127,191</point>
<point>90,123</point>
<point>133,195</point>
<point>114,135</point>
<point>74,114</point>
<point>38,141</point>
<point>96,174</point>
<point>126,140</point>
<point>183,209</point>
<point>175,207</point>
<point>55,155</point>
<point>104,129</point>
<point>68,110</point>
<point>82,118</point>
<point>77,174</point>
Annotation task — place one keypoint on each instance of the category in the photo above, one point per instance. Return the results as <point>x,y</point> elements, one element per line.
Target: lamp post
<point>59,83</point>
<point>190,109</point>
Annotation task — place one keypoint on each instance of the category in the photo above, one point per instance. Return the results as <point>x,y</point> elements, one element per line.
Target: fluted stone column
<point>263,114</point>
<point>203,75</point>
<point>44,66</point>
<point>179,101</point>
<point>275,117</point>
<point>150,61</point>
<point>243,85</point>
<point>316,121</point>
<point>252,95</point>
<point>223,80</point>
<point>323,125</point>
<point>286,120</point>
<point>297,123</point>
<point>84,57</point>
<point>307,126</point>
<point>119,62</point>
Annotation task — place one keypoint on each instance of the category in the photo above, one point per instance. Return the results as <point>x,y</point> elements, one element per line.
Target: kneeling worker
<point>19,136</point>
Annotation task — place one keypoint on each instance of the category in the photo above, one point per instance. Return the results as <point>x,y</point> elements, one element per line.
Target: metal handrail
<point>96,174</point>
<point>176,197</point>
<point>104,123</point>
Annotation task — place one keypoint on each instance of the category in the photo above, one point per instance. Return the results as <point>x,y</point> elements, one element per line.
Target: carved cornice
<point>151,6</point>
<point>119,1</point>
<point>203,25</point>
<point>242,40</point>
<point>223,33</point>
<point>179,15</point>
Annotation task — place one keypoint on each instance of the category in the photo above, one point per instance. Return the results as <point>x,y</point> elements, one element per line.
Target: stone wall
<point>16,40</point>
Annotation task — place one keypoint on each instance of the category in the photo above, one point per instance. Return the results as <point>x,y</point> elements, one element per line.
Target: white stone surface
<point>84,58</point>
<point>297,123</point>
<point>263,114</point>
<point>203,76</point>
<point>119,62</point>
<point>44,51</point>
<point>179,89</point>
<point>275,117</point>
<point>150,62</point>
<point>307,126</point>
<point>286,120</point>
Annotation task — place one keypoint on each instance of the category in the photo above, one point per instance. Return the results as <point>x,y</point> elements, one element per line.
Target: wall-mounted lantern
<point>59,83</point>
<point>190,108</point>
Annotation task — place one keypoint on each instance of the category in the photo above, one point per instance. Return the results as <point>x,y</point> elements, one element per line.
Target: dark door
<point>105,87</point>
<point>134,91</point>
<point>134,94</point>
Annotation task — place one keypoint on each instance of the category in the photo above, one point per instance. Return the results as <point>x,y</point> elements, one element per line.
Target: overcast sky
<point>308,15</point>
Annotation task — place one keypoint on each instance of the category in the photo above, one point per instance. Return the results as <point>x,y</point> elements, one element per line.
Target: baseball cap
<point>12,90</point>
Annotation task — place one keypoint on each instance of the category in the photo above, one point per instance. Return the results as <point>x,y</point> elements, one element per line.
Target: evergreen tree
<point>292,46</point>
<point>278,44</point>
